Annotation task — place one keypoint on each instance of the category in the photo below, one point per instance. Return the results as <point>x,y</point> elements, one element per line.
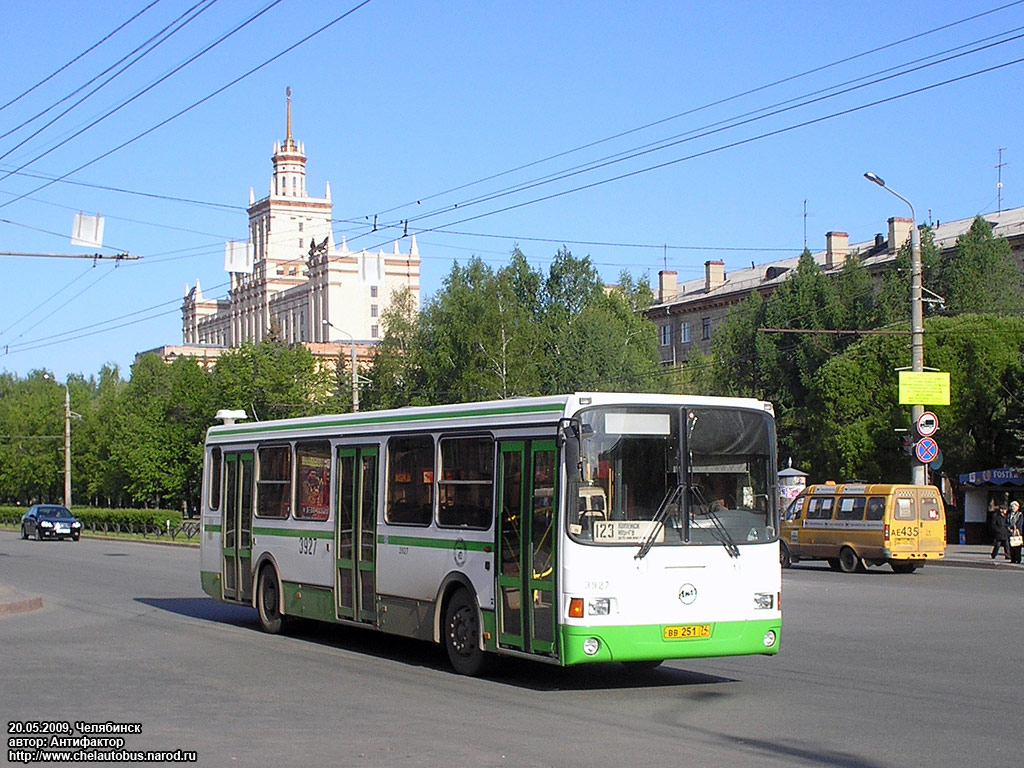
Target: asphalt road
<point>875,670</point>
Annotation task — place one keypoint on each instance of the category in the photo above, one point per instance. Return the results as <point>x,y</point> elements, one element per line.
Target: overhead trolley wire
<point>704,132</point>
<point>709,105</point>
<point>195,104</point>
<point>67,64</point>
<point>138,94</point>
<point>719,148</point>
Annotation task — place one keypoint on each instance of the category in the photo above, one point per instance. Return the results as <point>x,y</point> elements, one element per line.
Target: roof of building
<point>1008,224</point>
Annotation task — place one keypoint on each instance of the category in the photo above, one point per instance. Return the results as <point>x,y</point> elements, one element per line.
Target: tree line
<point>518,330</point>
<point>835,392</point>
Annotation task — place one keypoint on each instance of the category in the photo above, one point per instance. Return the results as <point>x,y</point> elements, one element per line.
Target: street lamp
<point>355,375</point>
<point>67,440</point>
<point>918,471</point>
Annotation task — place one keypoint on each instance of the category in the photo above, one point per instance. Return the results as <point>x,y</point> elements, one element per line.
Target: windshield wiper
<point>658,521</point>
<point>718,530</point>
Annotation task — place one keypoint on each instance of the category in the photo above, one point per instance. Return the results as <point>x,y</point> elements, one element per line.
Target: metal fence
<point>186,531</point>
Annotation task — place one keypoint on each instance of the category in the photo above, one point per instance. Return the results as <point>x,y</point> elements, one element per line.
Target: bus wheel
<point>785,559</point>
<point>848,560</point>
<point>903,567</point>
<point>462,635</point>
<point>268,602</point>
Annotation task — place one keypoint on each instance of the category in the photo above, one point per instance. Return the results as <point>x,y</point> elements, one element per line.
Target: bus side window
<point>851,508</point>
<point>876,508</point>
<point>215,459</point>
<point>410,492</point>
<point>820,509</point>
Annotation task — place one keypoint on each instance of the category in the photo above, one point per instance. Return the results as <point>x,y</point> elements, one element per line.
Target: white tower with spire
<point>304,294</point>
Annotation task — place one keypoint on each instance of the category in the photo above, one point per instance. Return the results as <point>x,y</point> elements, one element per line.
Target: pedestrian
<point>1015,524</point>
<point>1000,532</point>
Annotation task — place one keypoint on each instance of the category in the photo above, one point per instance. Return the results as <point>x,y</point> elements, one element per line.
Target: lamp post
<point>67,440</point>
<point>355,375</point>
<point>918,471</point>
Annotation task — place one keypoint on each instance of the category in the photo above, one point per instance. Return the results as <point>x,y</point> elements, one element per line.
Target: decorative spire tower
<point>289,162</point>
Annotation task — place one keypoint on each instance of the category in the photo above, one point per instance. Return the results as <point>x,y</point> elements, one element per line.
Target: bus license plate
<point>687,632</point>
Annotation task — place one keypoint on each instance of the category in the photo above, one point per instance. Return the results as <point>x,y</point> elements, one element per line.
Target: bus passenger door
<point>527,530</point>
<point>237,526</point>
<point>356,507</point>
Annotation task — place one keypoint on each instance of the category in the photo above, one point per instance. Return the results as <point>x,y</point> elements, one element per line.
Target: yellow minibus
<point>855,525</point>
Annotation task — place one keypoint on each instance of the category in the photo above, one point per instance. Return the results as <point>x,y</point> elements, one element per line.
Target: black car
<point>50,521</point>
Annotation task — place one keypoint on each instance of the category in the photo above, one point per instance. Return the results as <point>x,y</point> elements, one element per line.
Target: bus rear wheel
<point>848,560</point>
<point>268,602</point>
<point>462,635</point>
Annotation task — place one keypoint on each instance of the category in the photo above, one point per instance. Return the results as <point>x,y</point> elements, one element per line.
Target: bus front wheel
<point>462,635</point>
<point>268,602</point>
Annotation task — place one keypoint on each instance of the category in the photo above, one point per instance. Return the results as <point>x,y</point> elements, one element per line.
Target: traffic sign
<point>926,450</point>
<point>927,424</point>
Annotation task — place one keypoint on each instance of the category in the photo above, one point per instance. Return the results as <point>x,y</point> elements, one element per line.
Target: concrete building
<point>687,313</point>
<point>290,275</point>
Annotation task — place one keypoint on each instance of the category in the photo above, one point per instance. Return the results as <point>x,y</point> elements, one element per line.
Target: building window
<point>300,226</point>
<point>373,291</point>
<point>665,335</point>
<point>373,331</point>
<point>684,332</point>
<point>373,310</point>
<point>706,328</point>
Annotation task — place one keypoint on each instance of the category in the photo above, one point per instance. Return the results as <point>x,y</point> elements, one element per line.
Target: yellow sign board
<point>925,388</point>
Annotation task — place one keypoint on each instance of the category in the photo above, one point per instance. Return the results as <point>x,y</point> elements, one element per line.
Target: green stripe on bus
<point>213,528</point>
<point>500,411</point>
<point>419,541</point>
<point>646,642</point>
<point>294,533</point>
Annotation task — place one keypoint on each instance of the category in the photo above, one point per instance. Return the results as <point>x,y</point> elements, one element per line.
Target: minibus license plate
<point>687,632</point>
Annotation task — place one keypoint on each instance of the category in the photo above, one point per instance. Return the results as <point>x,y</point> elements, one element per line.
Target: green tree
<point>892,303</point>
<point>166,411</point>
<point>855,414</point>
<point>272,380</point>
<point>981,276</point>
<point>510,332</point>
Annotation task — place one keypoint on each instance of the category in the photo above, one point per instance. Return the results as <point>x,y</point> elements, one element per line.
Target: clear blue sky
<point>403,101</point>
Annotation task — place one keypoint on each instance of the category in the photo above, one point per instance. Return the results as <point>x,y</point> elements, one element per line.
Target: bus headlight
<point>769,638</point>
<point>764,601</point>
<point>591,646</point>
<point>599,606</point>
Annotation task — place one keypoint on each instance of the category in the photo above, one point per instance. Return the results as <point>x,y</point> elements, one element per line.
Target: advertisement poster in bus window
<point>314,485</point>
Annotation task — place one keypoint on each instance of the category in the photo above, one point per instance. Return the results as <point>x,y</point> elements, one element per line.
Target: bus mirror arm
<point>579,430</point>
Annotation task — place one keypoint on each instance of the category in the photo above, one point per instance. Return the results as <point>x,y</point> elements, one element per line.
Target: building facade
<point>290,277</point>
<point>687,313</point>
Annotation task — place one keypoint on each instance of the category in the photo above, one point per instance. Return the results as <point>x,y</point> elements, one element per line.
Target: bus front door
<point>237,526</point>
<point>527,531</point>
<point>356,508</point>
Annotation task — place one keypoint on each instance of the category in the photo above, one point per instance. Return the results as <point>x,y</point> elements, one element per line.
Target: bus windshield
<point>660,476</point>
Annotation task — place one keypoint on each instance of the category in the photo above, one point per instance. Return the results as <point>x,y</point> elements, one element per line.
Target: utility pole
<point>67,447</point>
<point>918,471</point>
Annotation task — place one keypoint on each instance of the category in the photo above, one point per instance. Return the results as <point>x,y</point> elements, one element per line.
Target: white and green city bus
<point>590,527</point>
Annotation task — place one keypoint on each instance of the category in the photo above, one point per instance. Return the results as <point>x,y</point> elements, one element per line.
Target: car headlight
<point>45,524</point>
<point>76,524</point>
